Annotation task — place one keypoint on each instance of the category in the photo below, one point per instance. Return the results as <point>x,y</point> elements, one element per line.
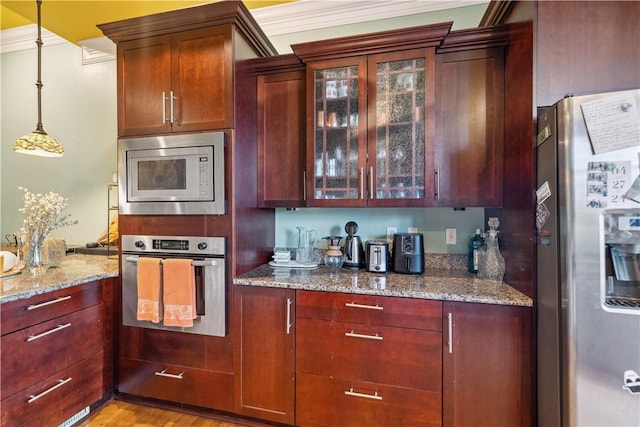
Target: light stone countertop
<point>435,284</point>
<point>74,270</point>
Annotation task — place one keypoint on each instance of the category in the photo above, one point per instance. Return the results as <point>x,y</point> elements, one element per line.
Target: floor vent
<point>74,418</point>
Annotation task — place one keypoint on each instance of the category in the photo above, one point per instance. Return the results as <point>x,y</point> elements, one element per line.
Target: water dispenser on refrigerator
<point>621,290</point>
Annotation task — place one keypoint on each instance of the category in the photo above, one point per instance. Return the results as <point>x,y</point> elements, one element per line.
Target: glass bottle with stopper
<point>492,265</point>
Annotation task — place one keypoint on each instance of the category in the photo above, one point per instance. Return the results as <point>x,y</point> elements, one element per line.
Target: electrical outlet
<point>450,236</point>
<point>390,232</point>
<point>412,229</point>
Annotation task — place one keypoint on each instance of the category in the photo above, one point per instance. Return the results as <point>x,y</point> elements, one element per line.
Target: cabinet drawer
<point>56,398</point>
<point>324,401</point>
<point>176,384</point>
<point>396,356</point>
<point>37,352</point>
<point>370,309</point>
<point>23,313</point>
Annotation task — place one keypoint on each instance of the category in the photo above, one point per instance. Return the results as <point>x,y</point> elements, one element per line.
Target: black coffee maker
<point>353,249</point>
<point>408,253</point>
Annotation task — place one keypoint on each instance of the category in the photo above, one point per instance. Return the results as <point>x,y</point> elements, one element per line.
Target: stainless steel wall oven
<point>208,258</point>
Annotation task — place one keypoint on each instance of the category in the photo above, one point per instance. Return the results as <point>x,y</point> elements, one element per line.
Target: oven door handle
<point>195,263</point>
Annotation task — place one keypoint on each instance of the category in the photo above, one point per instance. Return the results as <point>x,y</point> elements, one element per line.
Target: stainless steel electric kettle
<point>353,249</point>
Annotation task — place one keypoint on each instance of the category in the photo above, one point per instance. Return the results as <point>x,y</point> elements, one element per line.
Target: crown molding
<point>305,15</point>
<point>21,38</point>
<point>302,15</point>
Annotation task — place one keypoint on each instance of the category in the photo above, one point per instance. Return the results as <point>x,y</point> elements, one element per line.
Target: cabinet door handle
<point>60,383</point>
<point>370,307</point>
<point>362,183</point>
<point>436,190</point>
<point>450,338</point>
<point>304,185</point>
<point>44,304</point>
<point>171,99</point>
<point>164,107</point>
<point>374,396</point>
<point>368,337</point>
<point>164,373</point>
<point>371,194</point>
<point>58,328</point>
<point>289,303</point>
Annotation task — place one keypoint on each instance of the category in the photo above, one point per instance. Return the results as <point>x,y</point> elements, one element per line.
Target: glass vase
<point>33,260</point>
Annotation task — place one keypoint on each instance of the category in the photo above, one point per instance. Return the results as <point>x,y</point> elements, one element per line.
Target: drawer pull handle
<point>44,304</point>
<point>370,307</point>
<point>58,328</point>
<point>33,398</point>
<point>374,396</point>
<point>165,374</point>
<point>369,337</point>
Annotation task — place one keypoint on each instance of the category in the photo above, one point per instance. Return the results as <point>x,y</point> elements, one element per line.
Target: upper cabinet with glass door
<point>370,115</point>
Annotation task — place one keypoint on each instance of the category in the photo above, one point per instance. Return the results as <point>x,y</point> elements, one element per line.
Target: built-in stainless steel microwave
<point>172,175</point>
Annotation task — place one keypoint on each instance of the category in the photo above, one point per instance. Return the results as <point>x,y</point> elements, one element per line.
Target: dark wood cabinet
<point>175,83</point>
<point>487,375</point>
<point>177,367</point>
<point>264,381</point>
<point>281,131</point>
<point>367,360</point>
<point>370,117</point>
<point>469,121</point>
<point>54,354</point>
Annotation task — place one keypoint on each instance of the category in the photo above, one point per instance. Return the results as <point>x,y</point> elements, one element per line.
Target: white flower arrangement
<point>41,213</point>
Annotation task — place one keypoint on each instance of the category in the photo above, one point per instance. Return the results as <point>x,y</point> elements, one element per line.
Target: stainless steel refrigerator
<point>588,256</point>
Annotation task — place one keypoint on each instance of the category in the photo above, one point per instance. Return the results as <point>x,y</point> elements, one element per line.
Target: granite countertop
<point>74,270</point>
<point>435,284</point>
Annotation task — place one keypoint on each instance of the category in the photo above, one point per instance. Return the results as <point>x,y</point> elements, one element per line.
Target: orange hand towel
<point>149,289</point>
<point>179,292</point>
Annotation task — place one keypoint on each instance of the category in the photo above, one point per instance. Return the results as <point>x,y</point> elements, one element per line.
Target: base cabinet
<point>486,365</point>
<point>367,360</point>
<point>264,382</point>
<point>54,354</point>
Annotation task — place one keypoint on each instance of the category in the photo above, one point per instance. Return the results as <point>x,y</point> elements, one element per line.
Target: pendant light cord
<point>39,84</point>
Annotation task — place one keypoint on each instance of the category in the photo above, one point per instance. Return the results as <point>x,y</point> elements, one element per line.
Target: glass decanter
<point>492,265</point>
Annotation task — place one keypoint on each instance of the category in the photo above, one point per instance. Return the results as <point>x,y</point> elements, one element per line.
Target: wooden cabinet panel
<point>281,142</point>
<point>175,83</point>
<point>487,365</point>
<point>202,80</point>
<point>43,349</point>
<point>177,383</point>
<point>144,83</point>
<point>23,313</point>
<point>57,397</point>
<point>360,352</point>
<point>326,401</point>
<point>469,128</point>
<point>370,309</point>
<point>264,380</point>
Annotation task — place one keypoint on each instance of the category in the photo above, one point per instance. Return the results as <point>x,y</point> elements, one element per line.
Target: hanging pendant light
<point>38,143</point>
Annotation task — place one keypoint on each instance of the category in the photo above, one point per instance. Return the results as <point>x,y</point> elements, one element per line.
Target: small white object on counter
<point>10,260</point>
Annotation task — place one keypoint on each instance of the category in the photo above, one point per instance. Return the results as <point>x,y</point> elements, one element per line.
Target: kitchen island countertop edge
<point>74,270</point>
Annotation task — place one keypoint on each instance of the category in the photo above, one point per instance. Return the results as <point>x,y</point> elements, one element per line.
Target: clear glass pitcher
<point>307,238</point>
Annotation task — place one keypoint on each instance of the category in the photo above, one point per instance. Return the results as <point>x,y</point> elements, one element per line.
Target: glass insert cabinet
<point>372,126</point>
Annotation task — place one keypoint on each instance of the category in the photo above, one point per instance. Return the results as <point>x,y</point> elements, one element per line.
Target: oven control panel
<point>192,245</point>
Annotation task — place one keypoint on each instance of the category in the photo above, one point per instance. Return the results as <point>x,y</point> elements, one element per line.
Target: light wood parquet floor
<point>124,414</point>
